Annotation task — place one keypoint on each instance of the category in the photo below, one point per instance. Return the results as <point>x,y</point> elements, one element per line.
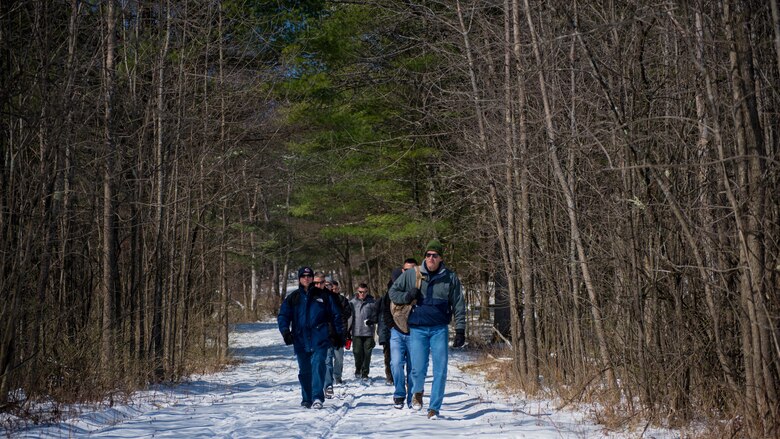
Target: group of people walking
<point>413,318</point>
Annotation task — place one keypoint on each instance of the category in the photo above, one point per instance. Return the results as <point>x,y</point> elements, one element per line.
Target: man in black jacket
<point>383,329</point>
<point>400,360</point>
<point>335,358</point>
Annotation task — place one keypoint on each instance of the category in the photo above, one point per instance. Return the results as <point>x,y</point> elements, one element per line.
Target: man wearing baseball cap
<point>310,321</point>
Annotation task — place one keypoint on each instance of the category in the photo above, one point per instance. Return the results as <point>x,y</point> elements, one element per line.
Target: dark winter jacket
<point>383,331</point>
<point>439,299</point>
<point>308,313</point>
<point>346,311</point>
<point>362,310</point>
<point>386,320</point>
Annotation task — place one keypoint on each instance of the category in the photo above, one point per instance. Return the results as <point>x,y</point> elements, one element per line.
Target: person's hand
<point>338,342</point>
<point>288,337</point>
<point>460,338</point>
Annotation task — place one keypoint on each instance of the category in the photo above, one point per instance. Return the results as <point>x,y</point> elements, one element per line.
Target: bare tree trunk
<point>524,207</point>
<point>776,30</point>
<point>109,246</point>
<point>225,320</point>
<point>502,234</point>
<point>572,212</point>
<point>575,332</point>
<point>158,323</point>
<point>750,145</point>
<point>708,219</point>
<point>50,171</point>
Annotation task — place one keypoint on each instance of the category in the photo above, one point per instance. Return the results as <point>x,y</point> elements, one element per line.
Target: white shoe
<point>316,404</point>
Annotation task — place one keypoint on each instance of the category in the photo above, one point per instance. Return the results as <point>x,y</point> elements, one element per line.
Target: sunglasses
<point>432,255</point>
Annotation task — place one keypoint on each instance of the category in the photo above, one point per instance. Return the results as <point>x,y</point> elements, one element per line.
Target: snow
<point>261,398</point>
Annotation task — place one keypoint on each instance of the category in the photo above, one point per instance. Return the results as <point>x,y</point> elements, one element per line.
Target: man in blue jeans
<point>438,299</point>
<point>334,362</point>
<point>310,321</point>
<point>400,357</point>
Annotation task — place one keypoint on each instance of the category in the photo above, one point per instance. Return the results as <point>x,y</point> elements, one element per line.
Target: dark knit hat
<point>305,271</point>
<point>435,246</point>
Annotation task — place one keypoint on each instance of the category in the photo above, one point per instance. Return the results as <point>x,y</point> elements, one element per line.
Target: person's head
<point>305,276</point>
<point>336,287</point>
<point>328,286</point>
<point>362,291</point>
<point>319,279</point>
<point>409,263</point>
<point>394,275</point>
<point>434,252</point>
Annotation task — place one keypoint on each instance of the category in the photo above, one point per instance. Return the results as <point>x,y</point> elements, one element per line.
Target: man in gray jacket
<point>438,299</point>
<point>364,319</point>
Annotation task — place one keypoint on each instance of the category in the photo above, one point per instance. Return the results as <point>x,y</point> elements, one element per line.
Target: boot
<point>417,400</point>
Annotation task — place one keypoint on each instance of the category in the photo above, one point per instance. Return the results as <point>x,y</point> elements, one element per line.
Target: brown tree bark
<point>109,278</point>
<point>604,354</point>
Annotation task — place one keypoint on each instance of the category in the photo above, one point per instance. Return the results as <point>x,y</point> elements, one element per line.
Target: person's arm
<point>458,303</point>
<point>387,314</point>
<point>283,320</point>
<point>335,311</point>
<point>402,291</point>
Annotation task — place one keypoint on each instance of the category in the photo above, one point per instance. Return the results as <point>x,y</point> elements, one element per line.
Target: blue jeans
<point>400,358</point>
<point>338,362</point>
<point>311,374</point>
<point>334,364</point>
<point>427,341</point>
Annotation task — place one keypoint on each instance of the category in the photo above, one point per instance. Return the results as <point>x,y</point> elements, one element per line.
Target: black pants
<point>386,351</point>
<point>362,347</point>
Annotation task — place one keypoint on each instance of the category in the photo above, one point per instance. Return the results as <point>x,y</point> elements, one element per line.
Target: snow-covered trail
<point>261,398</point>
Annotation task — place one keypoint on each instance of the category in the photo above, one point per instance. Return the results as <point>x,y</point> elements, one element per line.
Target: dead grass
<point>588,395</point>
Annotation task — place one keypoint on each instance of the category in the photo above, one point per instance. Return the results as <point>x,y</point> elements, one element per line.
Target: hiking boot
<point>339,381</point>
<point>398,403</point>
<point>417,400</point>
<point>389,382</point>
<point>317,404</point>
<point>306,405</point>
<point>328,392</point>
<point>433,414</point>
<point>365,378</point>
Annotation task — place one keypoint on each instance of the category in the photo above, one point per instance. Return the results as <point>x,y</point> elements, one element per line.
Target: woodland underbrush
<point>624,414</point>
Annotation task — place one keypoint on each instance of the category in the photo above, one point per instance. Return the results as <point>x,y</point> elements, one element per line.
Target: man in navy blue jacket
<point>316,325</point>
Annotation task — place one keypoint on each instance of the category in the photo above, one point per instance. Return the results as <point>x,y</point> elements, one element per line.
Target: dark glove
<point>369,322</point>
<point>338,342</point>
<point>460,338</point>
<point>288,337</point>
